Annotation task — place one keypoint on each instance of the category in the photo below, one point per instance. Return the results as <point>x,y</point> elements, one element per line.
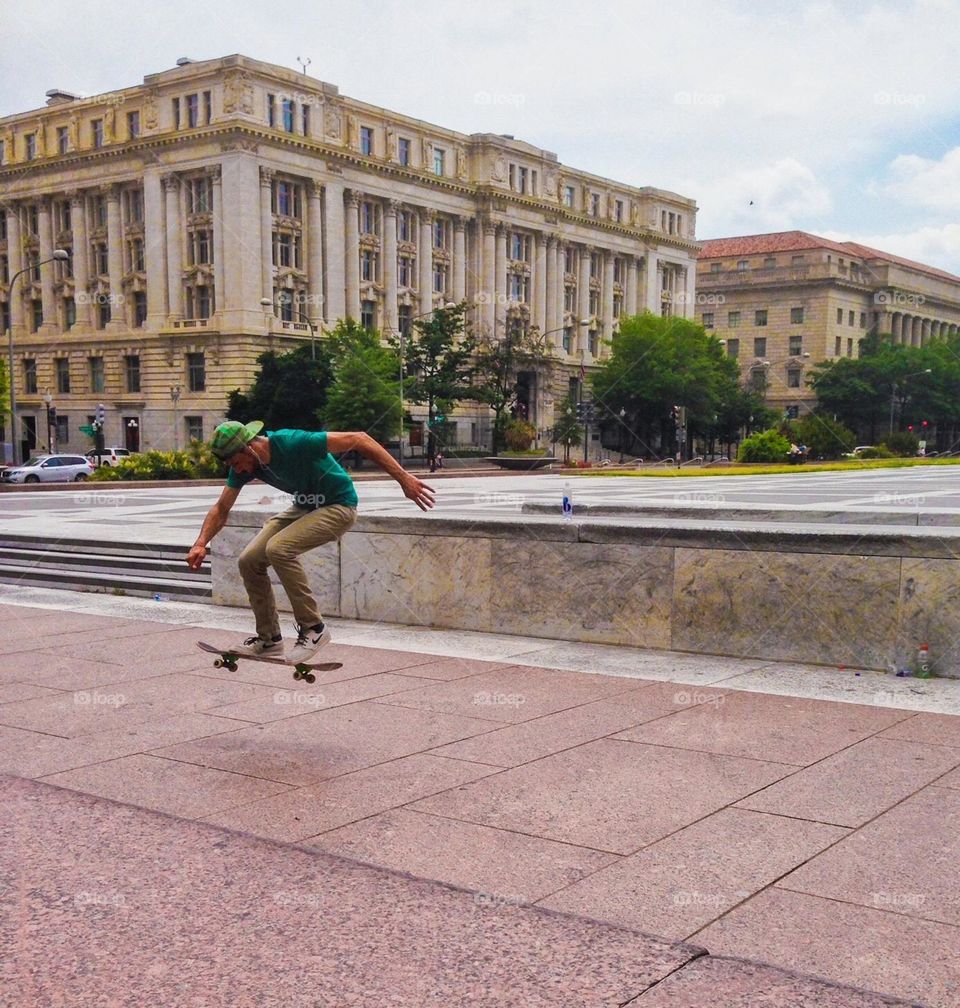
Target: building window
<point>139,308</point>
<point>305,119</point>
<point>793,378</point>
<point>368,218</point>
<point>405,319</point>
<point>69,313</point>
<point>100,259</point>
<point>198,248</point>
<point>863,320</point>
<point>733,348</point>
<point>199,302</point>
<point>439,278</point>
<point>271,110</point>
<point>618,211</point>
<point>594,302</point>
<point>368,265</point>
<point>836,347</point>
<point>30,142</point>
<point>405,226</point>
<point>288,110</point>
<point>716,267</point>
<point>594,204</point>
<point>405,272</point>
<point>618,270</point>
<point>760,346</point>
<point>796,346</point>
<point>366,140</point>
<point>137,263</point>
<point>797,260</point>
<point>567,338</point>
<point>63,429</point>
<point>594,342</point>
<point>134,206</point>
<point>175,110</point>
<point>518,287</point>
<point>439,161</point>
<point>733,319</point>
<point>96,132</point>
<point>520,247</point>
<point>708,320</point>
<point>3,152</point>
<point>286,199</point>
<point>849,347</point>
<point>193,110</point>
<point>760,317</point>
<point>850,317</point>
<point>368,314</point>
<point>36,315</point>
<point>62,369</point>
<point>569,195</point>
<point>796,316</point>
<point>196,372</point>
<point>99,212</point>
<point>403,151</point>
<point>63,140</point>
<point>133,125</point>
<point>568,260</point>
<point>30,376</point>
<point>569,297</point>
<point>103,312</point>
<point>199,196</point>
<point>207,107</point>
<point>439,234</point>
<point>769,262</point>
<point>595,264</point>
<point>194,428</point>
<point>519,178</point>
<point>839,316</point>
<point>96,374</point>
<point>743,265</point>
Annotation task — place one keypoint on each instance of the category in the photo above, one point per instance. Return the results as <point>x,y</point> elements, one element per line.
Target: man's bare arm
<point>215,520</point>
<point>415,489</point>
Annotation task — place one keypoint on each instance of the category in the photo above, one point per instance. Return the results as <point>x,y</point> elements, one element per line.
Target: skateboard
<point>301,670</point>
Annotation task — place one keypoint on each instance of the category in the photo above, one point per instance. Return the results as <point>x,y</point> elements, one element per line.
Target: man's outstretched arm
<point>415,489</point>
<point>215,520</point>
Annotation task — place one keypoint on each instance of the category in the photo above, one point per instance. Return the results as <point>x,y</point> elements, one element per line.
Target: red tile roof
<point>795,241</point>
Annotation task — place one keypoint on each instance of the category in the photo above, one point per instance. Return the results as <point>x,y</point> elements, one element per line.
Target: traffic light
<point>910,428</point>
<point>925,425</point>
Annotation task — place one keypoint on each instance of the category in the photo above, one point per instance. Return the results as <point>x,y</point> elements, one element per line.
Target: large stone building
<point>186,200</point>
<point>785,301</point>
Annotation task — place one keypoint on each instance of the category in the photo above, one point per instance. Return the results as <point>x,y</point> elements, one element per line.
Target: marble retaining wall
<point>862,596</point>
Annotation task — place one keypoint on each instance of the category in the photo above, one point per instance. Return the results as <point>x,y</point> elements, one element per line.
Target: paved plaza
<point>461,818</point>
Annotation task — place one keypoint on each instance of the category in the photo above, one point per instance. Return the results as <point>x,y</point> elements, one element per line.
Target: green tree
<point>499,362</point>
<point>566,428</point>
<point>437,366</point>
<point>824,437</point>
<point>658,363</point>
<point>289,390</point>
<point>365,393</point>
<point>767,446</point>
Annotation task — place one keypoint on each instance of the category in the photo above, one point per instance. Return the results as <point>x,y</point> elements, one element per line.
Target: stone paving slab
<point>109,905</point>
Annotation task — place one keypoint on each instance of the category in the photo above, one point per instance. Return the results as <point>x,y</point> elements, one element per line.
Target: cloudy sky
<point>839,118</point>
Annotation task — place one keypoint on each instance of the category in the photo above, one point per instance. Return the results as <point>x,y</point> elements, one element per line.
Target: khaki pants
<point>278,545</point>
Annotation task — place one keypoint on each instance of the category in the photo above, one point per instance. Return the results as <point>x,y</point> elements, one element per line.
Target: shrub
<point>767,446</point>
<point>875,453</point>
<point>824,437</point>
<point>520,434</point>
<point>197,462</point>
<point>901,443</point>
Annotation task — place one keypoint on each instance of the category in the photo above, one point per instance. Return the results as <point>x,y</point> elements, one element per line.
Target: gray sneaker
<point>260,647</point>
<point>309,641</point>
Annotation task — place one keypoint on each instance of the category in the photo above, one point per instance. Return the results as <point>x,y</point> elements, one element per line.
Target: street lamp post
<point>48,402</point>
<point>896,386</point>
<point>175,396</point>
<point>59,255</point>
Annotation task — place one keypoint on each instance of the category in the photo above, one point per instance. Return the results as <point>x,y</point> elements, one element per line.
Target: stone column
<point>315,308</point>
<point>117,321</point>
<point>630,288</point>
<point>334,305</point>
<point>391,318</point>
<point>81,255</point>
<point>540,283</point>
<point>266,233</point>
<point>15,264</point>
<point>654,282</point>
<point>489,284</point>
<point>171,187</point>
<point>352,255</point>
<point>219,279</point>
<point>553,304</point>
<point>583,289</point>
<point>924,332</point>
<point>686,294</point>
<point>239,302</point>
<point>608,319</point>
<point>425,261</point>
<point>896,321</point>
<point>916,335</point>
<point>45,229</point>
<point>500,279</point>
<point>459,259</point>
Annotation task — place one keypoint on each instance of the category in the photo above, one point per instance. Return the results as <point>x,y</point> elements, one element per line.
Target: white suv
<point>50,469</point>
<point>109,456</point>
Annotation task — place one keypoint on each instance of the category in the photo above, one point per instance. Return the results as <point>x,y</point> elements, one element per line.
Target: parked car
<point>50,469</point>
<point>109,456</point>
<point>857,451</point>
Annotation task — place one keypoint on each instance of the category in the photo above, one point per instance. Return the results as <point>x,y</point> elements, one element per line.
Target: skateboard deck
<point>301,670</point>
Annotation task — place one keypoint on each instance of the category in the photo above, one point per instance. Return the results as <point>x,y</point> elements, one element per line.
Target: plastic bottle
<point>567,502</point>
<point>924,669</point>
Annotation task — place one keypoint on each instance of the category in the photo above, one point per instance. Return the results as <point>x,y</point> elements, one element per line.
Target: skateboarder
<point>324,507</point>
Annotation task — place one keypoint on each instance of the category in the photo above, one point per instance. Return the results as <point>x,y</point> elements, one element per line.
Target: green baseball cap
<point>231,436</point>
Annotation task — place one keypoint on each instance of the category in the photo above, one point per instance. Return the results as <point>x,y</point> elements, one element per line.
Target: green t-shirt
<point>300,465</point>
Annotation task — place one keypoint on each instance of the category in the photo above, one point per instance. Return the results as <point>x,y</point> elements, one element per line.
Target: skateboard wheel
<point>310,677</point>
<point>231,666</point>
<point>297,673</point>
<point>218,663</point>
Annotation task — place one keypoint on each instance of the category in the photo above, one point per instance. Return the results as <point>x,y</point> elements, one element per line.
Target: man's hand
<point>416,490</point>
<point>195,556</point>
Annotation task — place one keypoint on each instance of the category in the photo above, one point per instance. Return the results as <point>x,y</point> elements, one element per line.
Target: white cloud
<point>933,184</point>
<point>932,245</point>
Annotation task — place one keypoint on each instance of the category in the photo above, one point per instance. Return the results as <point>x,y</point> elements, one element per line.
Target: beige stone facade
<point>783,302</point>
<point>186,200</point>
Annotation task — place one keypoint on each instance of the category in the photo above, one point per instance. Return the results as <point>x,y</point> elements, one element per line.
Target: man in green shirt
<point>324,507</point>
